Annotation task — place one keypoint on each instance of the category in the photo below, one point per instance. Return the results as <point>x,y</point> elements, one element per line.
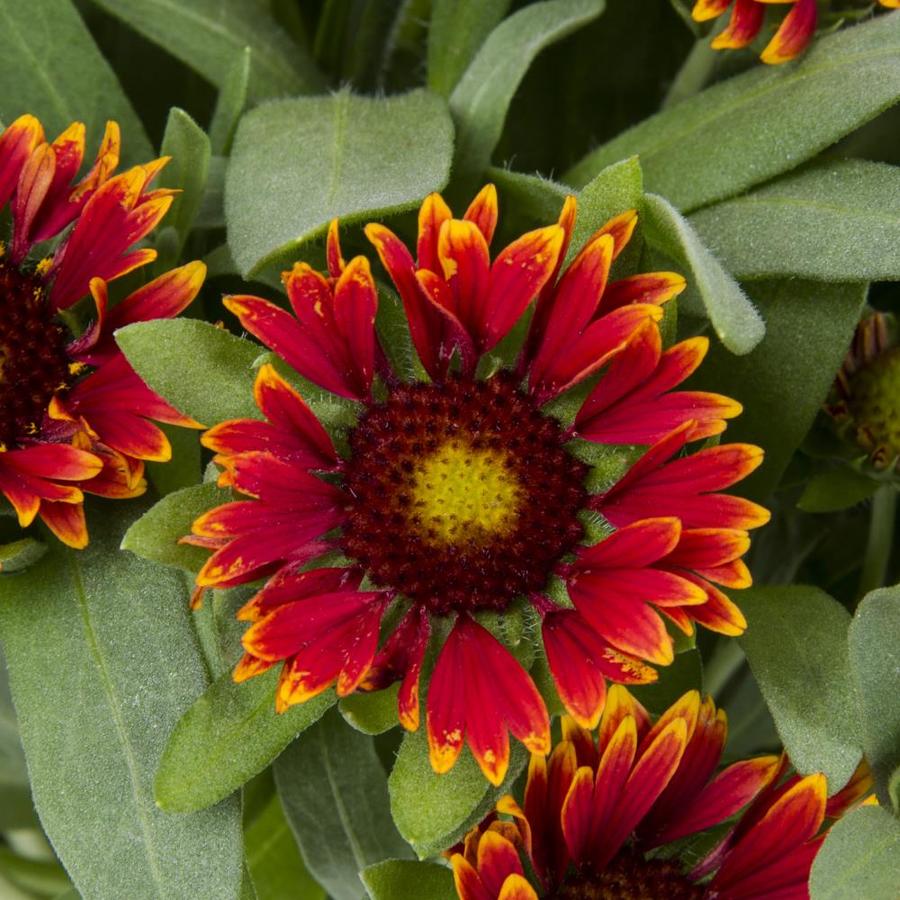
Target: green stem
<point>694,73</point>
<point>881,539</point>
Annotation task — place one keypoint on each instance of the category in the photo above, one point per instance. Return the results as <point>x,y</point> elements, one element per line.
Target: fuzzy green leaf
<point>481,98</point>
<point>334,793</point>
<point>399,879</point>
<point>186,142</point>
<point>230,103</point>
<point>433,811</point>
<point>234,730</point>
<point>18,555</point>
<point>102,662</point>
<point>297,164</point>
<point>835,222</point>
<point>51,67</point>
<point>784,381</point>
<point>617,188</point>
<point>207,35</point>
<point>874,634</point>
<point>755,126</point>
<point>796,644</point>
<point>457,29</point>
<point>371,713</point>
<point>203,371</point>
<point>859,858</point>
<point>155,534</point>
<point>275,864</point>
<point>715,294</point>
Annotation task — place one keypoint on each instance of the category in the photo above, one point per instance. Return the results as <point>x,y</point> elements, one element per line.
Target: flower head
<point>74,416</point>
<point>792,37</point>
<point>865,398</point>
<point>457,500</point>
<point>596,816</point>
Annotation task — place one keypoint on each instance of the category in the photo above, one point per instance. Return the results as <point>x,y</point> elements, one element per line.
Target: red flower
<point>790,40</point>
<point>74,416</point>
<point>593,814</point>
<point>458,496</point>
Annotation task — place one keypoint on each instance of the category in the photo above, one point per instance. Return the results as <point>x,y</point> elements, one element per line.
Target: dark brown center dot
<point>463,494</point>
<point>630,877</point>
<point>33,360</point>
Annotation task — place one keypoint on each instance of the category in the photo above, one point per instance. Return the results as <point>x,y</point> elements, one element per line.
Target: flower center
<point>630,877</point>
<point>875,404</point>
<point>463,494</point>
<point>33,360</point>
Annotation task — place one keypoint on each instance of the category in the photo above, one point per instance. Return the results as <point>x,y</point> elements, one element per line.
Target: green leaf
<point>297,164</point>
<point>234,730</point>
<point>335,798</point>
<point>532,196</point>
<point>208,34</point>
<point>755,126</point>
<point>481,99</point>
<point>230,103</point>
<point>155,534</point>
<point>616,189</point>
<point>102,662</point>
<point>183,469</point>
<point>399,879</point>
<point>186,142</point>
<point>874,634</point>
<point>784,381</point>
<point>16,810</point>
<point>836,488</point>
<point>18,555</point>
<point>51,67</point>
<point>433,811</point>
<point>457,29</point>
<point>371,713</point>
<point>712,291</point>
<point>203,371</point>
<point>859,858</point>
<point>275,864</point>
<point>796,644</point>
<point>805,224</point>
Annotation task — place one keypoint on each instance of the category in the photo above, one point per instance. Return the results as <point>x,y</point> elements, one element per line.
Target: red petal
<point>483,211</point>
<point>744,25</point>
<point>67,522</point>
<point>794,34</point>
<point>517,276</point>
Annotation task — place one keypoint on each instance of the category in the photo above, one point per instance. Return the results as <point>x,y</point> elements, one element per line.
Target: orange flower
<point>594,815</point>
<point>74,416</point>
<point>459,495</point>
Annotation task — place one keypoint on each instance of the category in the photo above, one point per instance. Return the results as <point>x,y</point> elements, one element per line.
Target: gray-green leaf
<point>208,34</point>
<point>713,293</point>
<point>796,644</point>
<point>102,662</point>
<point>784,381</point>
<point>480,100</point>
<point>51,67</point>
<point>335,797</point>
<point>203,371</point>
<point>297,164</point>
<point>874,635</point>
<point>859,858</point>
<point>235,731</point>
<point>755,126</point>
<point>400,879</point>
<point>838,221</point>
<point>456,31</point>
<point>433,811</point>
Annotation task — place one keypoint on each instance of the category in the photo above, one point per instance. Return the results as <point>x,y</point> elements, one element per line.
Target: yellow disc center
<point>464,495</point>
